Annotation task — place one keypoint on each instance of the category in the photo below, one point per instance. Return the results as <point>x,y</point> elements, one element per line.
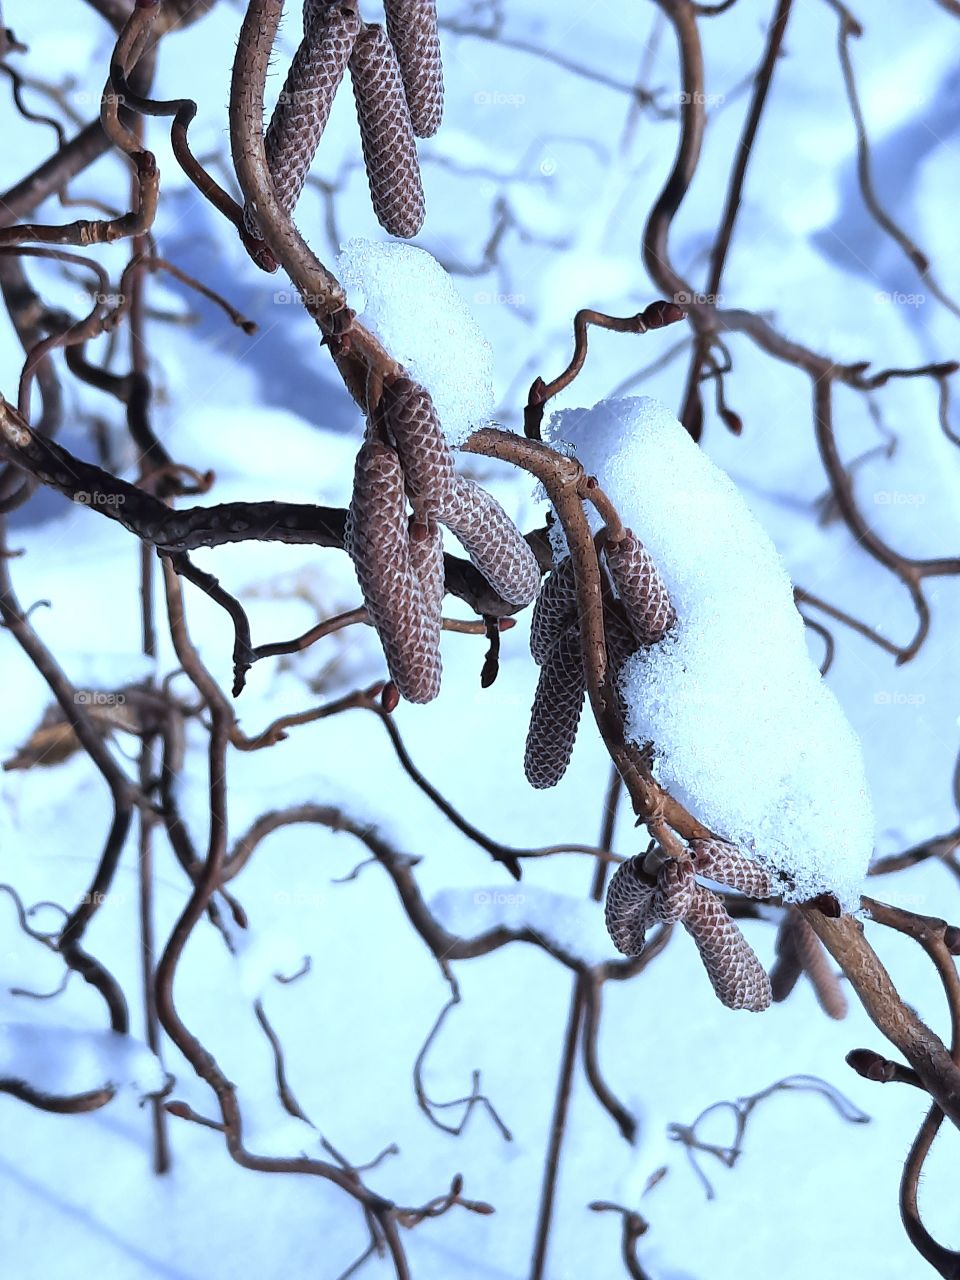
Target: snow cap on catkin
<point>407,299</point>
<point>747,734</point>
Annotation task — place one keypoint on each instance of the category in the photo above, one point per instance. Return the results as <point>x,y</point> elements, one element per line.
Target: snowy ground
<point>573,171</point>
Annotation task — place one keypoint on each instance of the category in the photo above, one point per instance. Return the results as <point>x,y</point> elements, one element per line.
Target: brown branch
<point>75,1104</point>
<point>919,1045</point>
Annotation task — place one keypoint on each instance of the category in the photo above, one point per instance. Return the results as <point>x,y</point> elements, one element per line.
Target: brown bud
<point>660,313</point>
<point>732,421</point>
<point>871,1065</point>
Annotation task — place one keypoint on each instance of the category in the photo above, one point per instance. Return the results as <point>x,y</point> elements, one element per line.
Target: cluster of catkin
<point>405,487</point>
<point>651,889</point>
<point>638,612</point>
<point>398,90</point>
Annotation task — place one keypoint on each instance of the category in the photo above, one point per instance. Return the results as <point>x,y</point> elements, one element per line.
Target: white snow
<point>572,924</point>
<point>261,954</point>
<point>413,307</point>
<point>747,734</point>
<point>252,408</point>
<point>67,1060</point>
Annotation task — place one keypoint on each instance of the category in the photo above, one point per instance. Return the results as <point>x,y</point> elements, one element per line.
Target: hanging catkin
<point>412,28</point>
<point>645,599</point>
<point>428,467</point>
<point>674,893</point>
<point>636,899</point>
<point>303,108</point>
<point>426,556</point>
<point>378,542</point>
<point>493,542</point>
<point>554,609</point>
<point>386,132</point>
<point>723,862</point>
<point>557,705</point>
<point>799,950</point>
<point>735,973</point>
<point>628,911</point>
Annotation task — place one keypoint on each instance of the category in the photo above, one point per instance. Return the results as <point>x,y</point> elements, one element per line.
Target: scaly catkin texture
<point>426,556</point>
<point>673,897</point>
<point>554,609</point>
<point>629,907</point>
<point>735,973</point>
<point>557,705</point>
<point>386,132</point>
<point>378,542</point>
<point>493,542</point>
<point>428,469</point>
<point>645,599</point>
<point>303,108</point>
<point>636,899</point>
<point>555,616</point>
<point>412,28</point>
<point>724,863</point>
